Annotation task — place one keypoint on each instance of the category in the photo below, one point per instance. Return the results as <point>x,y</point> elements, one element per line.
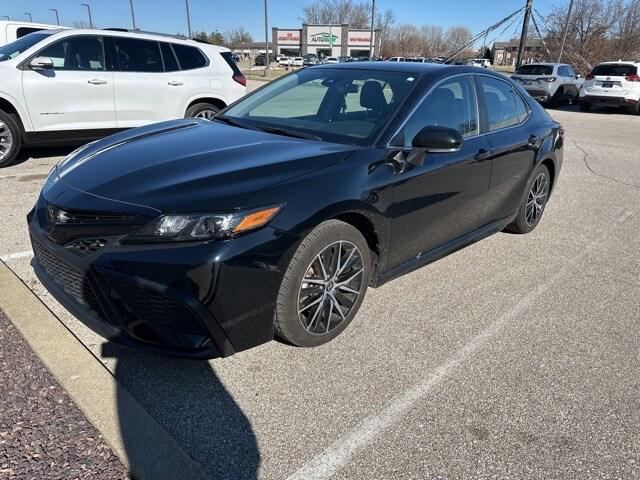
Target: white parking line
<point>16,256</point>
<point>327,463</point>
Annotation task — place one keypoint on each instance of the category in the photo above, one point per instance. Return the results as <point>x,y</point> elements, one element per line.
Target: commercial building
<point>325,41</point>
<point>506,53</point>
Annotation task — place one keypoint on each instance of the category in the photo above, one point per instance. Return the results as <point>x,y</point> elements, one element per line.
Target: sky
<point>168,16</point>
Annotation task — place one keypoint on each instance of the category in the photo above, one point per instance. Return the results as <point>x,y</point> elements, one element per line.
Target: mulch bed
<point>43,434</point>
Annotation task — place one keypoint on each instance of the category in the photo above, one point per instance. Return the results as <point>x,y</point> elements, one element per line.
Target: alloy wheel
<point>537,199</point>
<point>6,140</point>
<point>330,287</point>
<point>206,114</point>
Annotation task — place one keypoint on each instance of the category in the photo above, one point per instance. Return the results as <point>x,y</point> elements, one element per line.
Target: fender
<point>17,106</point>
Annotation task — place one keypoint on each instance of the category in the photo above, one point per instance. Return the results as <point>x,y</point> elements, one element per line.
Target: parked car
<point>613,84</point>
<point>297,62</point>
<point>285,61</point>
<point>68,86</point>
<point>552,83</point>
<point>396,59</point>
<point>199,238</point>
<point>331,60</point>
<point>310,60</point>
<point>280,57</point>
<point>479,62</point>
<point>11,30</point>
<point>261,59</point>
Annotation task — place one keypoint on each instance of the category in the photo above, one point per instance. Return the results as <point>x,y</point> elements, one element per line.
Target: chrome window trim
<point>422,100</point>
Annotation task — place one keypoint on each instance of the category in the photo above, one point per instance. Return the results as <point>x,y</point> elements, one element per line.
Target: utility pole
<point>133,15</point>
<point>188,18</point>
<point>266,37</point>
<point>566,29</point>
<point>373,15</point>
<point>525,33</point>
<point>30,17</point>
<point>89,10</point>
<point>57,17</point>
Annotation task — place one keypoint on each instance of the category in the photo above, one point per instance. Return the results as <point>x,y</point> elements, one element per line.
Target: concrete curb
<point>150,452</point>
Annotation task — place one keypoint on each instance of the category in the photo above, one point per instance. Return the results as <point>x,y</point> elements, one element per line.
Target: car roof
<point>140,35</point>
<point>411,67</point>
<point>621,62</point>
<point>544,64</point>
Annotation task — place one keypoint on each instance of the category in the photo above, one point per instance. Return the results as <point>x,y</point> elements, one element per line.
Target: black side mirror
<point>434,140</point>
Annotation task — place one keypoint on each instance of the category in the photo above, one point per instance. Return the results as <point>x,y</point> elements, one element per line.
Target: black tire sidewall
<point>288,322</point>
<point>16,132</point>
<point>193,110</point>
<point>520,224</point>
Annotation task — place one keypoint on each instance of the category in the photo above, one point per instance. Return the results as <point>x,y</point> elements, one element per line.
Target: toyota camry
<point>203,238</point>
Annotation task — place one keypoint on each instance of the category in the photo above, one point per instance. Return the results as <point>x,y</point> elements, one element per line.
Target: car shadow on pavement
<point>189,401</point>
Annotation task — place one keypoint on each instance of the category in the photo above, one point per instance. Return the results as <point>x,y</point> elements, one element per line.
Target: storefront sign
<point>288,37</point>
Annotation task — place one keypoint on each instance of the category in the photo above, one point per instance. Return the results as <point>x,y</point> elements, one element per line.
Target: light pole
<point>89,11</point>
<point>373,14</point>
<point>55,10</point>
<point>266,37</point>
<point>30,17</point>
<point>133,15</point>
<point>188,18</point>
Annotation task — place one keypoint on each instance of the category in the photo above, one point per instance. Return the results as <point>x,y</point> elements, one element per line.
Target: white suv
<point>72,86</point>
<point>613,84</point>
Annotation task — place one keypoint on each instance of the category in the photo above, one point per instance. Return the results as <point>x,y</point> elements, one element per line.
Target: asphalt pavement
<point>516,357</point>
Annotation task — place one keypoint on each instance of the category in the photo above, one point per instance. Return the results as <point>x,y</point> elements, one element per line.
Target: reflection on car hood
<point>192,165</point>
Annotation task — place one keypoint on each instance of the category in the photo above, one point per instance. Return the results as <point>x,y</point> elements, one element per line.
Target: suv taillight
<point>632,78</point>
<point>241,79</point>
<point>590,76</point>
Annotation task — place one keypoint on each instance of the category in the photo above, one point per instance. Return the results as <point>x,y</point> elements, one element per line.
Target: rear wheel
<point>556,99</point>
<point>534,202</point>
<point>323,286</point>
<point>202,110</point>
<point>634,109</point>
<point>10,139</point>
<point>584,106</point>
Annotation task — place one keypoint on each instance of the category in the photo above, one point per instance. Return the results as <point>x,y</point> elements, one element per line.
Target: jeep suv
<point>72,86</point>
<point>613,84</point>
<point>551,83</point>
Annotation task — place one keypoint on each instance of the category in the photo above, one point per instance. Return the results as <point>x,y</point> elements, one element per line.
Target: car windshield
<point>13,49</point>
<point>335,105</point>
<point>535,70</point>
<point>615,70</point>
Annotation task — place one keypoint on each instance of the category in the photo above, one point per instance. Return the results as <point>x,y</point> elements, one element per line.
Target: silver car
<point>551,83</point>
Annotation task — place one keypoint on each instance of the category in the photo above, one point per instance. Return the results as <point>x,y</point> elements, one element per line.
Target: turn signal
<point>256,219</point>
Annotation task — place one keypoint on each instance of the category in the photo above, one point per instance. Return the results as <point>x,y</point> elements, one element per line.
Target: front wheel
<point>202,110</point>
<point>534,202</point>
<point>10,139</point>
<point>323,286</point>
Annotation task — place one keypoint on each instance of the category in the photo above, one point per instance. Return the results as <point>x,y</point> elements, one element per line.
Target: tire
<point>529,214</point>
<point>584,106</point>
<point>202,110</point>
<point>10,138</point>
<point>312,309</point>
<point>634,109</point>
<point>556,100</point>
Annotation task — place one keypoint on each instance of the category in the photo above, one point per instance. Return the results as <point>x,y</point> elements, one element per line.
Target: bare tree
<point>384,23</point>
<point>238,37</point>
<point>456,38</point>
<point>432,38</point>
<point>356,13</point>
<point>626,33</point>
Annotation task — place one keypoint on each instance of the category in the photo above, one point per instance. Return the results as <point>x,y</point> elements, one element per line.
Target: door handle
<point>483,154</point>
<point>175,83</point>
<point>535,141</point>
<point>97,81</point>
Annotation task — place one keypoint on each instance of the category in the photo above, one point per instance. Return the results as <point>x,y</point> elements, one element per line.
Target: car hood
<point>192,165</point>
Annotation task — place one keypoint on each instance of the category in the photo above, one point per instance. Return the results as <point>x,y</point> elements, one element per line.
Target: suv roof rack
<point>168,35</point>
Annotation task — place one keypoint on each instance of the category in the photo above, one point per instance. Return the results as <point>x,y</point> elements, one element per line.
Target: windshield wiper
<point>235,123</point>
<point>290,133</point>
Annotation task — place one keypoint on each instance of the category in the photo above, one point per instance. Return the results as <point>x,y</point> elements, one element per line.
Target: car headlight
<point>201,226</point>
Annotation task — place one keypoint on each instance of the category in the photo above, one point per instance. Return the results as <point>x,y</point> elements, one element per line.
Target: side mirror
<point>41,63</point>
<point>578,76</point>
<point>434,140</point>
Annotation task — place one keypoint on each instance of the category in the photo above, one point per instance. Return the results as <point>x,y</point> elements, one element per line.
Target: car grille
<point>72,281</point>
<point>87,246</point>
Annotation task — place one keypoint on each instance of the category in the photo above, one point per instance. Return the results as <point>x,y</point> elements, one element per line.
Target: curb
<point>151,453</point>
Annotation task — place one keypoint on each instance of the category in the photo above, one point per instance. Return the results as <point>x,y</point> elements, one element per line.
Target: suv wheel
<point>10,139</point>
<point>532,206</point>
<point>584,106</point>
<point>323,286</point>
<point>634,109</point>
<point>202,110</point>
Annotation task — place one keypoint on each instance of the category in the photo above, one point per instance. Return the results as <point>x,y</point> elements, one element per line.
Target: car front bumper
<point>196,300</point>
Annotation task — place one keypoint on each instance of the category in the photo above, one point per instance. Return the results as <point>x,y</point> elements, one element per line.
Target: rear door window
<point>169,58</point>
<point>133,55</point>
<point>500,103</point>
<point>189,57</point>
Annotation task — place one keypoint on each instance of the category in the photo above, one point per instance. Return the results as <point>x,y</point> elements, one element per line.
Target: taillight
<point>241,79</point>
<point>590,76</point>
<point>632,78</point>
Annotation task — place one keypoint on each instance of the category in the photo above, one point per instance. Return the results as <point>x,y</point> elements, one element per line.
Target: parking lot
<point>516,357</point>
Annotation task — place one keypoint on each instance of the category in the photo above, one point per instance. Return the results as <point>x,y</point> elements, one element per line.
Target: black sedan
<point>203,238</point>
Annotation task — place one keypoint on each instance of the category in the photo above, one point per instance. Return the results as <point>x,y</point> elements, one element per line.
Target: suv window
<point>133,55</point>
<point>500,102</point>
<point>564,71</point>
<point>534,70</point>
<point>85,52</point>
<point>189,57</point>
<point>452,104</point>
<point>615,70</point>
<point>169,58</point>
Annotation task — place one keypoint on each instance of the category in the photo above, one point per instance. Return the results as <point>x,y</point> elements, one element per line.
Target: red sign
<point>358,39</point>
<point>289,37</point>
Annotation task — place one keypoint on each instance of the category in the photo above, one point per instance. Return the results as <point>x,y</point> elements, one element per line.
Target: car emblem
<point>56,215</point>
